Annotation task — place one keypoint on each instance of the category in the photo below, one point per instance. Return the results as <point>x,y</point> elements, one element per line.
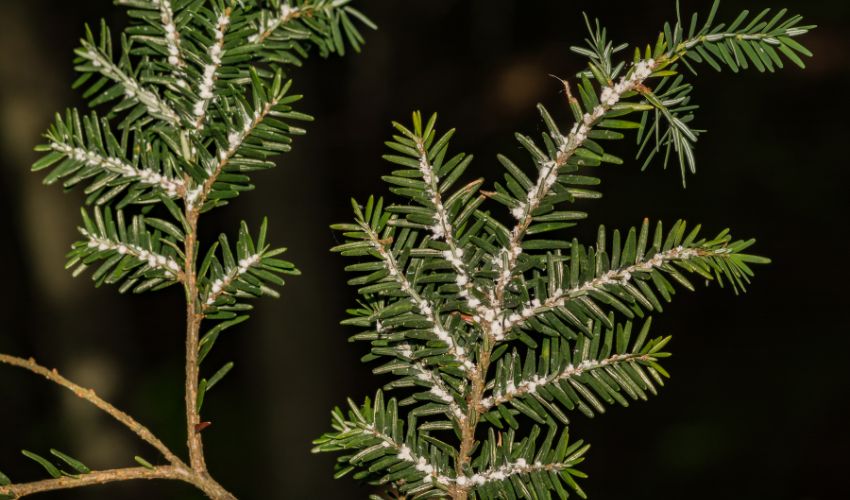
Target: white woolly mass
<point>442,228</point>
<point>441,394</point>
<point>207,85</point>
<point>454,257</point>
<point>421,464</point>
<point>268,25</point>
<point>519,211</point>
<point>153,260</point>
<point>641,71</point>
<point>406,350</point>
<point>235,139</point>
<point>501,473</point>
<point>404,454</point>
<point>609,97</point>
<point>221,283</point>
<point>172,38</point>
<point>193,195</point>
<point>171,186</point>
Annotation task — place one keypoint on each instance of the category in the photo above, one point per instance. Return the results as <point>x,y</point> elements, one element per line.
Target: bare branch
<point>90,396</point>
<point>181,473</point>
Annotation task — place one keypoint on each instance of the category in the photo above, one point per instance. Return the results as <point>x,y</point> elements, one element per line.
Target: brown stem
<point>195,474</point>
<point>177,469</point>
<point>194,309</point>
<point>194,317</point>
<point>211,488</point>
<point>98,477</point>
<point>173,472</point>
<point>473,413</point>
<point>90,396</point>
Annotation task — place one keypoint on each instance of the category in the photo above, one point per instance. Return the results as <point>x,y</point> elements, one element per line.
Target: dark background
<point>757,406</point>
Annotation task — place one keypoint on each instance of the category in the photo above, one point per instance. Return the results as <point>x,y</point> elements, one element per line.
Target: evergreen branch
<point>85,149</point>
<point>529,386</point>
<point>608,99</point>
<point>195,201</point>
<point>172,187</point>
<point>130,253</point>
<point>90,396</point>
<point>287,13</point>
<point>610,365</point>
<point>757,41</point>
<point>375,432</point>
<point>485,286</point>
<point>200,105</point>
<point>101,63</point>
<point>424,152</point>
<point>567,146</point>
<point>620,277</point>
<point>671,48</point>
<point>252,122</point>
<point>236,139</point>
<point>425,307</point>
<point>419,373</point>
<point>528,468</point>
<point>736,43</point>
<point>171,35</point>
<point>247,272</point>
<point>326,24</point>
<point>378,440</point>
<point>152,259</point>
<point>577,292</point>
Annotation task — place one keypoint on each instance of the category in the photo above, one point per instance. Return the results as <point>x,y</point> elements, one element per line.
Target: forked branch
<point>176,470</point>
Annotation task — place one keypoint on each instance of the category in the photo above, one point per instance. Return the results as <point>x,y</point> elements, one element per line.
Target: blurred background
<point>757,404</point>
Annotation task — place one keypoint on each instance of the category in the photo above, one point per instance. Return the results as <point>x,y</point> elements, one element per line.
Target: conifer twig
<point>186,117</point>
<point>545,324</point>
